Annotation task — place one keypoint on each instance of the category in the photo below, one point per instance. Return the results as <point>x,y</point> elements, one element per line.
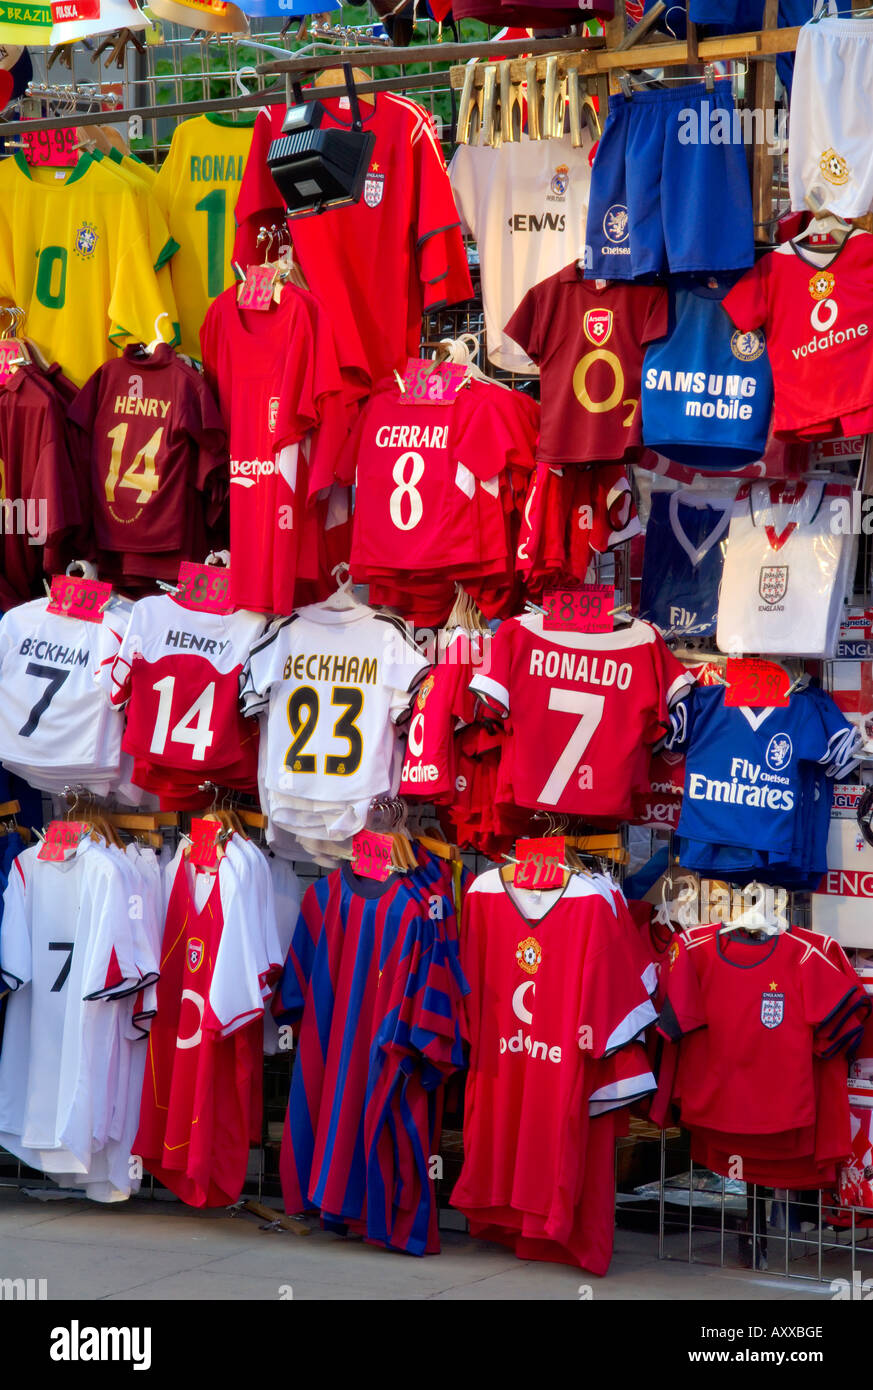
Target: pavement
<point>158,1249</point>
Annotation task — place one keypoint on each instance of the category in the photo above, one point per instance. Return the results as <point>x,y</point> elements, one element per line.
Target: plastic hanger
<point>344,597</point>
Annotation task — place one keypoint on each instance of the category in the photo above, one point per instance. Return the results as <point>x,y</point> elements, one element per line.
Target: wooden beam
<point>762,95</point>
<point>427,53</point>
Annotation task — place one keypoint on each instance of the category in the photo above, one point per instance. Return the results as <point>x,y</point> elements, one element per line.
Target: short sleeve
<point>826,990</point>
<point>242,964</point>
<point>462,179</point>
<point>657,316</point>
<point>524,326</point>
<point>16,961</point>
<point>683,1009</point>
<point>614,1004</point>
<point>262,668</point>
<point>402,665</point>
<point>492,681</point>
<point>748,302</point>
<point>442,258</point>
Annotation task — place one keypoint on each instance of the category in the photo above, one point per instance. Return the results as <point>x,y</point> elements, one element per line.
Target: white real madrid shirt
<point>525,204</point>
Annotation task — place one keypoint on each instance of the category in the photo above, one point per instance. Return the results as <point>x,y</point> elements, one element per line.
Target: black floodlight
<point>315,165</point>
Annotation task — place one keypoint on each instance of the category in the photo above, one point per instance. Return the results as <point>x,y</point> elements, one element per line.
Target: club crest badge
<point>772,1007</point>
<point>779,752</point>
<point>616,223</point>
<point>821,284</point>
<point>272,413</point>
<point>747,347</point>
<point>834,167</point>
<point>597,325</point>
<point>86,240</point>
<point>195,951</point>
<point>424,690</point>
<point>773,583</point>
<point>529,955</point>
<point>560,181</point>
<point>374,187</point>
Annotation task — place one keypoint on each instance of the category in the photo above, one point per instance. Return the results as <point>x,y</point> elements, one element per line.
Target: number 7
<point>590,710</point>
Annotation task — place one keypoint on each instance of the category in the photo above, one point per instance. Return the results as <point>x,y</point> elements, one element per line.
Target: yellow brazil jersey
<point>197,187</point>
<point>75,255</point>
<point>162,245</point>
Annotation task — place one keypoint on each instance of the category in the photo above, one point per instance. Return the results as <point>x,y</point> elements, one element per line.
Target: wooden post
<point>616,31</point>
<point>761,95</point>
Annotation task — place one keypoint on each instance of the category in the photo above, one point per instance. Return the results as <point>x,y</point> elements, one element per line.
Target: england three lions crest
<point>773,583</point>
<point>772,1008</point>
<point>374,187</point>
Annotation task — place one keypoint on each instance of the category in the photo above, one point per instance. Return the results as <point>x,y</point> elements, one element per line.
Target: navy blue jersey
<point>686,535</point>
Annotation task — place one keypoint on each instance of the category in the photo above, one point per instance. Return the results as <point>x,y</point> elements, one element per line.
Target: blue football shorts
<point>669,187</point>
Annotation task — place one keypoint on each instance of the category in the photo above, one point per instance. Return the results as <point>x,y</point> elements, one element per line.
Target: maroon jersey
<point>587,337</point>
<point>155,444</point>
<point>39,500</point>
<point>378,264</point>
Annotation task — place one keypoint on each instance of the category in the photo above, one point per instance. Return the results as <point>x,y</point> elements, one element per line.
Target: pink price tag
<point>60,836</point>
<point>257,292</point>
<point>204,843</point>
<point>371,855</point>
<point>9,350</point>
<point>426,384</point>
<point>756,683</point>
<point>540,863</point>
<point>56,148</point>
<point>79,598</point>
<point>587,609</point>
<point>204,587</point>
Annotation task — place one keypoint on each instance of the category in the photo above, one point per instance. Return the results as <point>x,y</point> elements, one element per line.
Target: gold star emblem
<point>374,168</point>
<point>773,985</point>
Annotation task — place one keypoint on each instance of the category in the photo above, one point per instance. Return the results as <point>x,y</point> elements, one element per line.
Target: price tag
<point>56,148</point>
<point>257,292</point>
<point>79,598</point>
<point>426,385</point>
<point>204,587</point>
<point>204,843</point>
<point>755,682</point>
<point>540,863</point>
<point>371,855</point>
<point>60,836</point>
<point>9,350</point>
<point>587,609</point>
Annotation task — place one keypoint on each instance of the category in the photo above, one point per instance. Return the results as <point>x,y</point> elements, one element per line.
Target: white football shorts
<point>830,149</point>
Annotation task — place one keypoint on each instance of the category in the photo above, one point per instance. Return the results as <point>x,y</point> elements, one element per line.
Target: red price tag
<point>56,148</point>
<point>540,863</point>
<point>257,292</point>
<point>204,843</point>
<point>428,385</point>
<point>588,609</point>
<point>79,598</point>
<point>9,350</point>
<point>371,855</point>
<point>204,587</point>
<point>757,683</point>
<point>60,836</point>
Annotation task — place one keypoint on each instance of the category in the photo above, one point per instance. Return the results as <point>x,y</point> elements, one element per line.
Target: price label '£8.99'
<point>586,609</point>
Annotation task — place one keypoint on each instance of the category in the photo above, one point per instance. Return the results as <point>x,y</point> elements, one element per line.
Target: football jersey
<point>707,390</point>
<point>273,374</point>
<point>54,714</point>
<point>202,1076</point>
<point>178,671</point>
<point>375,265</point>
<point>428,480</point>
<point>197,188</point>
<point>369,978</point>
<point>39,494</point>
<point>75,255</point>
<point>744,767</point>
<point>442,704</point>
<point>686,539</point>
<point>568,516</point>
<point>746,1010</point>
<point>525,204</point>
<point>815,307</point>
<point>333,682</point>
<point>587,337</point>
<point>155,443</point>
<point>584,709</point>
<point>785,572</point>
<point>555,986</point>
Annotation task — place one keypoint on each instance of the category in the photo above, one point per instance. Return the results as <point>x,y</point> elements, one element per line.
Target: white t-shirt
<point>525,204</point>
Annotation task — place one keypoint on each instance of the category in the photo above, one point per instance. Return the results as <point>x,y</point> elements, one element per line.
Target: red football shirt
<point>443,703</point>
<point>154,441</point>
<point>588,339</point>
<point>378,264</point>
<point>748,1012</point>
<point>584,709</point>
<point>551,994</point>
<point>816,307</point>
<point>274,374</point>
